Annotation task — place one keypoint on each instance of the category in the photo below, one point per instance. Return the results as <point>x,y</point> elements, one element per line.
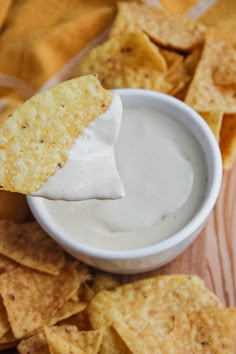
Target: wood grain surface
<point>212,256</point>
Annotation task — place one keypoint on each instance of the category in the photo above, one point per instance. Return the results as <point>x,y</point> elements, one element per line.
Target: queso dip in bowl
<point>170,165</point>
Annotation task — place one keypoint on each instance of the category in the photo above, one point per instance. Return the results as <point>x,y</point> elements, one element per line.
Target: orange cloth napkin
<point>40,36</point>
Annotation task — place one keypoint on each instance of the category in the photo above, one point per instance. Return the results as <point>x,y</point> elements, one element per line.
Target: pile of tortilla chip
<point>52,304</point>
<point>152,49</point>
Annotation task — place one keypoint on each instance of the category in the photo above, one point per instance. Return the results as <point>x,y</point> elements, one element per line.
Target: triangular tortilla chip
<point>36,138</point>
<point>148,300</point>
<point>31,298</point>
<point>130,60</point>
<point>228,140</point>
<point>29,245</point>
<point>67,339</point>
<point>203,94</point>
<point>164,29</point>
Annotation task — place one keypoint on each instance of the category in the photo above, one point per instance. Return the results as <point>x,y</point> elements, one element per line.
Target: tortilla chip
<point>130,60</point>
<point>80,320</point>
<point>203,94</point>
<point>178,7</point>
<point>208,331</point>
<point>35,140</point>
<point>13,206</point>
<point>112,343</point>
<point>164,29</point>
<point>191,61</point>
<point>214,120</point>
<point>4,323</point>
<point>151,301</point>
<point>139,342</point>
<point>6,264</point>
<point>69,309</point>
<point>228,140</point>
<point>104,281</point>
<point>222,16</point>
<point>29,245</point>
<point>225,73</point>
<point>36,344</point>
<point>176,77</point>
<point>31,298</point>
<point>67,339</point>
<point>85,293</point>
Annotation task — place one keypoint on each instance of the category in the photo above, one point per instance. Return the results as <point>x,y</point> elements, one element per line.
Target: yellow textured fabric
<point>179,7</point>
<point>40,36</point>
<point>222,16</point>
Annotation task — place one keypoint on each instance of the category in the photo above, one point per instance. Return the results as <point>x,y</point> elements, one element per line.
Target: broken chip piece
<point>130,60</point>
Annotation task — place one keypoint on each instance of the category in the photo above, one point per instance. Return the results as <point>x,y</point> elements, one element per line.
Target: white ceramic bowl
<point>144,259</point>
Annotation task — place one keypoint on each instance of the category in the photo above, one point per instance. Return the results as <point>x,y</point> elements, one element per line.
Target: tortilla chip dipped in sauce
<point>59,143</point>
<point>163,168</point>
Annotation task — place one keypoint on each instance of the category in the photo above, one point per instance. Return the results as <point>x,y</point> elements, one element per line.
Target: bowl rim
<point>62,237</point>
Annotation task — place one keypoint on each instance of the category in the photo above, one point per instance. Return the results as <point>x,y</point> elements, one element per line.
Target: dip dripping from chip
<point>54,144</point>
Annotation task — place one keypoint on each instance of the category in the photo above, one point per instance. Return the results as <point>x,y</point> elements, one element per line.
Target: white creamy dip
<point>163,170</point>
<point>90,170</point>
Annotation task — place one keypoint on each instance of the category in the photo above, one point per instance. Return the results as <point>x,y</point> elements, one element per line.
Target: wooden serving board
<point>212,256</point>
